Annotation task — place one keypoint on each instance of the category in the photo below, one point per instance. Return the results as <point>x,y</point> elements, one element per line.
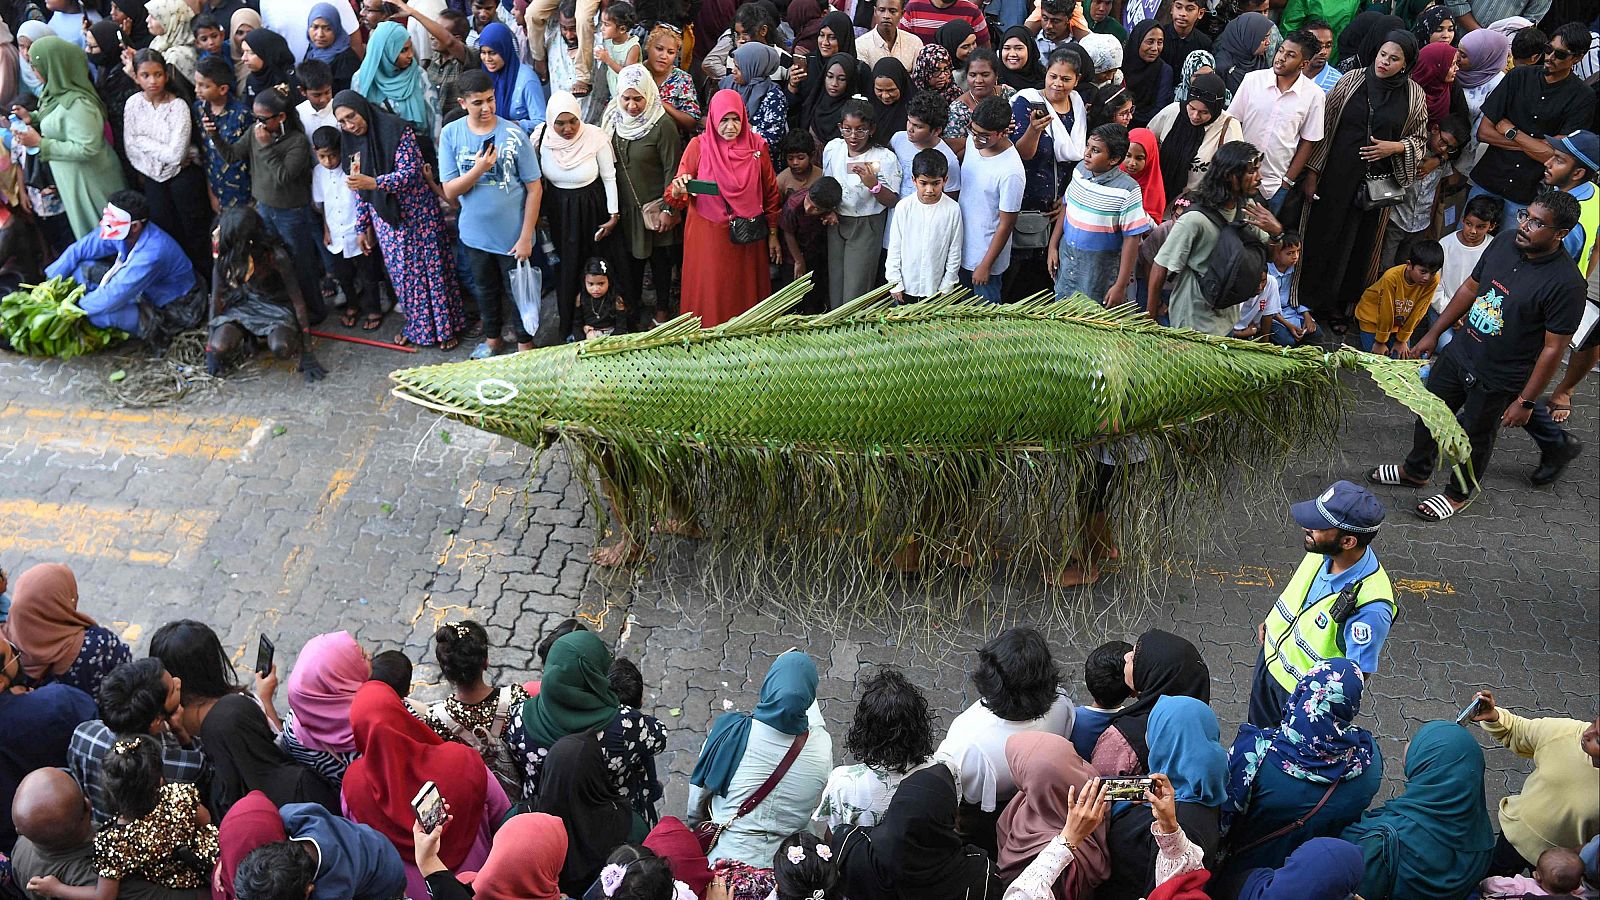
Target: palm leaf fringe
<point>812,448</point>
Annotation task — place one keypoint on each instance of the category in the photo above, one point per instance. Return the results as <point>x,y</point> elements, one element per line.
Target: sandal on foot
<point>1438,508</point>
<point>1559,412</point>
<point>349,316</point>
<point>1393,476</point>
<point>372,322</point>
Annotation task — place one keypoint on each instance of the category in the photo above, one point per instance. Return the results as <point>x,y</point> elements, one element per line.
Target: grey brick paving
<point>296,509</point>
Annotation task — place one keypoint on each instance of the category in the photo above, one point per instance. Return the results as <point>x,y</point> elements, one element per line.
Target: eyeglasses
<point>263,120</point>
<point>1524,217</point>
<point>18,654</point>
<point>1559,52</point>
<point>855,129</point>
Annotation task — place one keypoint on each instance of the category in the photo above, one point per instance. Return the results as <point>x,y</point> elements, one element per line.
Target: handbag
<point>1378,191</point>
<point>709,831</point>
<point>657,215</point>
<point>1032,231</point>
<point>745,229</point>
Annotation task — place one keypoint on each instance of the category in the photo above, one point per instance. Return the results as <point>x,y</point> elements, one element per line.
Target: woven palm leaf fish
<point>950,420</point>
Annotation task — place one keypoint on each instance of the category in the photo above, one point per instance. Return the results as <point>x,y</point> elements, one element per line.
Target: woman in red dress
<point>722,279</point>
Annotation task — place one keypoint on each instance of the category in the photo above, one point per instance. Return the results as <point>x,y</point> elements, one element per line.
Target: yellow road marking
<point>1261,576</point>
<point>143,433</point>
<point>141,535</point>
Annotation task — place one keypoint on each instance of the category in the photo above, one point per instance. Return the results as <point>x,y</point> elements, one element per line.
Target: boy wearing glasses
<point>992,179</point>
<point>1532,103</point>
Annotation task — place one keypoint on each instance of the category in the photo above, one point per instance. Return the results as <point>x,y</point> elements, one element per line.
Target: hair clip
<point>796,854</point>
<point>817,894</point>
<point>824,851</point>
<point>124,747</point>
<point>461,629</point>
<point>611,878</point>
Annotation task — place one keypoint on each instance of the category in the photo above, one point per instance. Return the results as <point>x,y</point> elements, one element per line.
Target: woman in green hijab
<point>575,697</point>
<point>1101,15</point>
<point>1434,840</point>
<point>69,130</point>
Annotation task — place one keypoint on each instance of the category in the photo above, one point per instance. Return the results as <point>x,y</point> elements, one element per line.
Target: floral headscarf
<point>1316,741</point>
<point>931,61</point>
<point>1194,62</point>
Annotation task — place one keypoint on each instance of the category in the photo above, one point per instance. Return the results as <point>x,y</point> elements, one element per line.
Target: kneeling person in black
<point>255,295</point>
<point>1520,305</point>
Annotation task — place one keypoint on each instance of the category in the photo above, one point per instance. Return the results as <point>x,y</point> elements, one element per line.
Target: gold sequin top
<point>168,846</point>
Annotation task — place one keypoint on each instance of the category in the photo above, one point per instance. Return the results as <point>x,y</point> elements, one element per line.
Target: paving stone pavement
<point>295,509</point>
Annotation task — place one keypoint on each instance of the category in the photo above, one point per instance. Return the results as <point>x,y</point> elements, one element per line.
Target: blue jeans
<point>301,231</point>
<point>1368,340</point>
<point>989,291</point>
<point>1508,221</point>
<point>1275,202</point>
<point>1282,336</point>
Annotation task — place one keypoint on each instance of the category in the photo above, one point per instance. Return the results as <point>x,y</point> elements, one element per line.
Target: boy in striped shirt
<point>1097,240</point>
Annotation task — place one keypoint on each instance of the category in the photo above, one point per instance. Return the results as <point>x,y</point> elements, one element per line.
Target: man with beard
<point>1339,603</point>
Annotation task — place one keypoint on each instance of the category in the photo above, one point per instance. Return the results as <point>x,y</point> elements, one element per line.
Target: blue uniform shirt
<point>157,270</point>
<point>1575,239</point>
<point>1365,630</point>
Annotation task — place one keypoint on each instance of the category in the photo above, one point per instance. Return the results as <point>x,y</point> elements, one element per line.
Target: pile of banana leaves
<point>45,320</point>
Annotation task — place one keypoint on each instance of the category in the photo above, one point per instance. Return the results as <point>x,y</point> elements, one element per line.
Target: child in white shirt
<point>1462,249</point>
<point>353,268</point>
<point>925,234</point>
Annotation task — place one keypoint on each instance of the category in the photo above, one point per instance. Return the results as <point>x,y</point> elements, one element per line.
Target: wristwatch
<point>1511,133</point>
<point>1526,404</point>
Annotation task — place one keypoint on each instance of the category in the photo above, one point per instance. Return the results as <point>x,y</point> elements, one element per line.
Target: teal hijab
<point>575,695</point>
<point>786,694</point>
<point>1434,840</point>
<point>401,91</point>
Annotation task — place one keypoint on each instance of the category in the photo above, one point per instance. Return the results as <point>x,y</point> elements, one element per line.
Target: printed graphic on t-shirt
<point>1485,316</point>
<point>503,174</point>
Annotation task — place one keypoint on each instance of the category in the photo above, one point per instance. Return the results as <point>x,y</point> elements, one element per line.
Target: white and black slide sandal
<point>1437,508</point>
<point>1391,475</point>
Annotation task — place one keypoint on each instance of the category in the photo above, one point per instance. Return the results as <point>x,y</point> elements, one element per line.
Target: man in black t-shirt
<point>1531,104</point>
<point>1521,303</point>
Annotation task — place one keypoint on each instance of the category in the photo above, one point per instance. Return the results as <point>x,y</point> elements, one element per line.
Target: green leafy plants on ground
<point>45,320</point>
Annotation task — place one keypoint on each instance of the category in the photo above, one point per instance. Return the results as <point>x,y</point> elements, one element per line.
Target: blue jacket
<point>157,271</point>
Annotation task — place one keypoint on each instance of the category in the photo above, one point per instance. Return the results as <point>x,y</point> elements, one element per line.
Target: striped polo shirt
<point>1102,210</point>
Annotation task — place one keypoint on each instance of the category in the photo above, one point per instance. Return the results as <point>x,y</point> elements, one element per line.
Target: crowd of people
<point>1411,176</point>
<point>164,776</point>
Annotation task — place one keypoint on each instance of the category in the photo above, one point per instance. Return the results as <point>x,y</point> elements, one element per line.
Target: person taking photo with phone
<point>1338,604</point>
<point>1559,805</point>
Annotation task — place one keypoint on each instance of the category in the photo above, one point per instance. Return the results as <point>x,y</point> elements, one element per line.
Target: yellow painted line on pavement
<point>144,433</point>
<point>146,536</point>
<point>1261,576</point>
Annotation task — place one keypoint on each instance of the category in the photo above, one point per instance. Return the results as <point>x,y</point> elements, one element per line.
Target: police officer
<point>1339,602</point>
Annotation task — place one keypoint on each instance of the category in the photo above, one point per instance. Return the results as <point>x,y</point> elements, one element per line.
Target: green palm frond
<point>961,423</point>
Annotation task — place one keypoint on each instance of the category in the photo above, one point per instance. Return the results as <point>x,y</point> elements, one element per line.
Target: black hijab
<point>1031,75</point>
<point>1164,665</point>
<point>245,757</point>
<point>844,32</point>
<point>1355,35</point>
<point>277,68</point>
<point>824,111</point>
<point>914,850</point>
<point>378,148</point>
<point>1387,122</point>
<point>1429,21</point>
<point>1143,79</point>
<point>892,118</point>
<point>951,35</point>
<point>574,787</point>
<point>108,37</point>
<point>138,35</point>
<point>1181,142</point>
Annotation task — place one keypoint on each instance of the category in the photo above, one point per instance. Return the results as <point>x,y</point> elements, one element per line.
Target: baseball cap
<point>1582,145</point>
<point>1344,505</point>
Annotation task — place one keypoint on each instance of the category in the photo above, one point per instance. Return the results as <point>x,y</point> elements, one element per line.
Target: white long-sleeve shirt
<point>156,138</point>
<point>1177,856</point>
<point>603,165</point>
<point>925,246</point>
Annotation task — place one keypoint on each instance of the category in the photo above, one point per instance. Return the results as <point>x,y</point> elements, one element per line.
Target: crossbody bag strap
<point>767,786</point>
<point>1296,825</point>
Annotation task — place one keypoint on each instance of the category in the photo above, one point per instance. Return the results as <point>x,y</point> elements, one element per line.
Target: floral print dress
<point>771,120</point>
<point>421,269</point>
<point>629,745</point>
<point>102,651</point>
<point>677,91</point>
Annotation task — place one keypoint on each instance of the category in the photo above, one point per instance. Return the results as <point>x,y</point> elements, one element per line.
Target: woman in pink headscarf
<point>317,733</point>
<point>1050,774</point>
<point>524,862</point>
<point>722,279</point>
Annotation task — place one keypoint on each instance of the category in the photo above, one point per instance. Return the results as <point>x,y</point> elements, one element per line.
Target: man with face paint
<point>1339,603</point>
<point>129,262</point>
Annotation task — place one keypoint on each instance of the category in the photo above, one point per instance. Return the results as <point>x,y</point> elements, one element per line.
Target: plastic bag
<point>527,287</point>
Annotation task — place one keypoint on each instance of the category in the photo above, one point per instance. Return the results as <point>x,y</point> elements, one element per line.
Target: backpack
<point>1237,262</point>
<point>488,741</point>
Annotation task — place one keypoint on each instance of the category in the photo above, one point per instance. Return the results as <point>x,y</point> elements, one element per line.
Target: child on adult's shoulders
<point>1392,307</point>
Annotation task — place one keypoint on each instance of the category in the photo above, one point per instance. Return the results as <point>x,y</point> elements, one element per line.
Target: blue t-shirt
<point>1365,630</point>
<point>491,213</point>
<point>1087,726</point>
<point>1575,239</point>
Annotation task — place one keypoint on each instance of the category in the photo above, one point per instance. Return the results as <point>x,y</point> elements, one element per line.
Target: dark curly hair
<point>892,729</point>
<point>801,880</point>
<point>131,771</point>
<point>1103,674</point>
<point>562,629</point>
<point>462,650</point>
<point>627,681</point>
<point>1016,675</point>
<point>276,871</point>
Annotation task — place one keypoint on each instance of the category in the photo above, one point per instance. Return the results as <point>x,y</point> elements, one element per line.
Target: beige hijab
<point>45,621</point>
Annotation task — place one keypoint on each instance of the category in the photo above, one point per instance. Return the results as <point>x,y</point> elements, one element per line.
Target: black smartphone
<point>1039,109</point>
<point>1126,788</point>
<point>1472,709</point>
<point>429,807</point>
<point>264,651</point>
